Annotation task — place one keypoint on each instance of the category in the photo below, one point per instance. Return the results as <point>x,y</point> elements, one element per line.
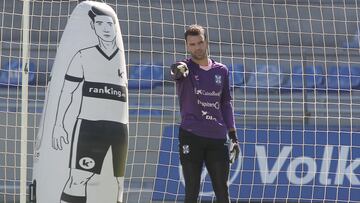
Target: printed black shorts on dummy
<point>195,148</point>
<point>91,141</point>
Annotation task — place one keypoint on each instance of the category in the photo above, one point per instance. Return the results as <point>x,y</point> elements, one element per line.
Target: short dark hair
<point>96,11</point>
<point>195,30</point>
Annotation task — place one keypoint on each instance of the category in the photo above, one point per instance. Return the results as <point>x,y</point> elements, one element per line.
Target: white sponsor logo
<point>205,93</point>
<point>106,90</point>
<point>207,116</point>
<point>215,105</point>
<point>345,168</point>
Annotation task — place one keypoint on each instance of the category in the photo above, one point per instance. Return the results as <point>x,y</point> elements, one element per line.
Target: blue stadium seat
<point>355,77</point>
<point>315,77</point>
<point>265,76</point>
<point>11,73</point>
<point>145,76</point>
<point>332,77</point>
<point>312,77</point>
<point>296,78</point>
<point>236,73</point>
<point>344,77</point>
<point>338,77</point>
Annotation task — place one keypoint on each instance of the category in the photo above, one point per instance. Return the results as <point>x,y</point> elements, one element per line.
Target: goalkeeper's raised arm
<point>206,117</point>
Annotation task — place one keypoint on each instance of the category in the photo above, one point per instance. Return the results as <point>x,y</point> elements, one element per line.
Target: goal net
<point>295,81</point>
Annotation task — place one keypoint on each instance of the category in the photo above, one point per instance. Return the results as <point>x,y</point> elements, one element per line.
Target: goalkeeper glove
<point>234,147</point>
<point>179,70</point>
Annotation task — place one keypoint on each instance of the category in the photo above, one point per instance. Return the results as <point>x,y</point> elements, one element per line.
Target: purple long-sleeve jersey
<point>205,100</point>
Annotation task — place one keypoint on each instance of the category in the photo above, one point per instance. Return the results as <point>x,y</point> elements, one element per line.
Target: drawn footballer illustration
<point>90,110</point>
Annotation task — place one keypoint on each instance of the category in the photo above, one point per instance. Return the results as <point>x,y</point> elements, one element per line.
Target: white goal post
<point>295,81</point>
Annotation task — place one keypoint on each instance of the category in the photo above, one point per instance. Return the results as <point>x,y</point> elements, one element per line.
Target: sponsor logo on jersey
<point>206,93</point>
<point>207,116</point>
<point>215,105</point>
<point>104,91</point>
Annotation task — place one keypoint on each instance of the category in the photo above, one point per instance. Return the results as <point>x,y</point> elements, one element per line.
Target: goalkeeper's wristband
<point>232,136</point>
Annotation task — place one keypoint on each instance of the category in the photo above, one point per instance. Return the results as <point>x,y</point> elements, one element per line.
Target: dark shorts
<point>91,141</point>
<point>194,148</point>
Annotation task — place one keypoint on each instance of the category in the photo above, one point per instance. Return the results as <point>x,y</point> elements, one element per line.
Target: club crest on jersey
<point>218,79</point>
<point>186,149</point>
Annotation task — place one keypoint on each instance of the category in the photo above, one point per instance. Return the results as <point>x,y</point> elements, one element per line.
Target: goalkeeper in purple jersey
<point>206,118</point>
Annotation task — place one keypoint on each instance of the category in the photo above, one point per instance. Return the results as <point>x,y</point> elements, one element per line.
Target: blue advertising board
<point>281,165</point>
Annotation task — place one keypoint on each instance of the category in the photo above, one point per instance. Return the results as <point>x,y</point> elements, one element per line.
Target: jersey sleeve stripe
<point>72,78</point>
